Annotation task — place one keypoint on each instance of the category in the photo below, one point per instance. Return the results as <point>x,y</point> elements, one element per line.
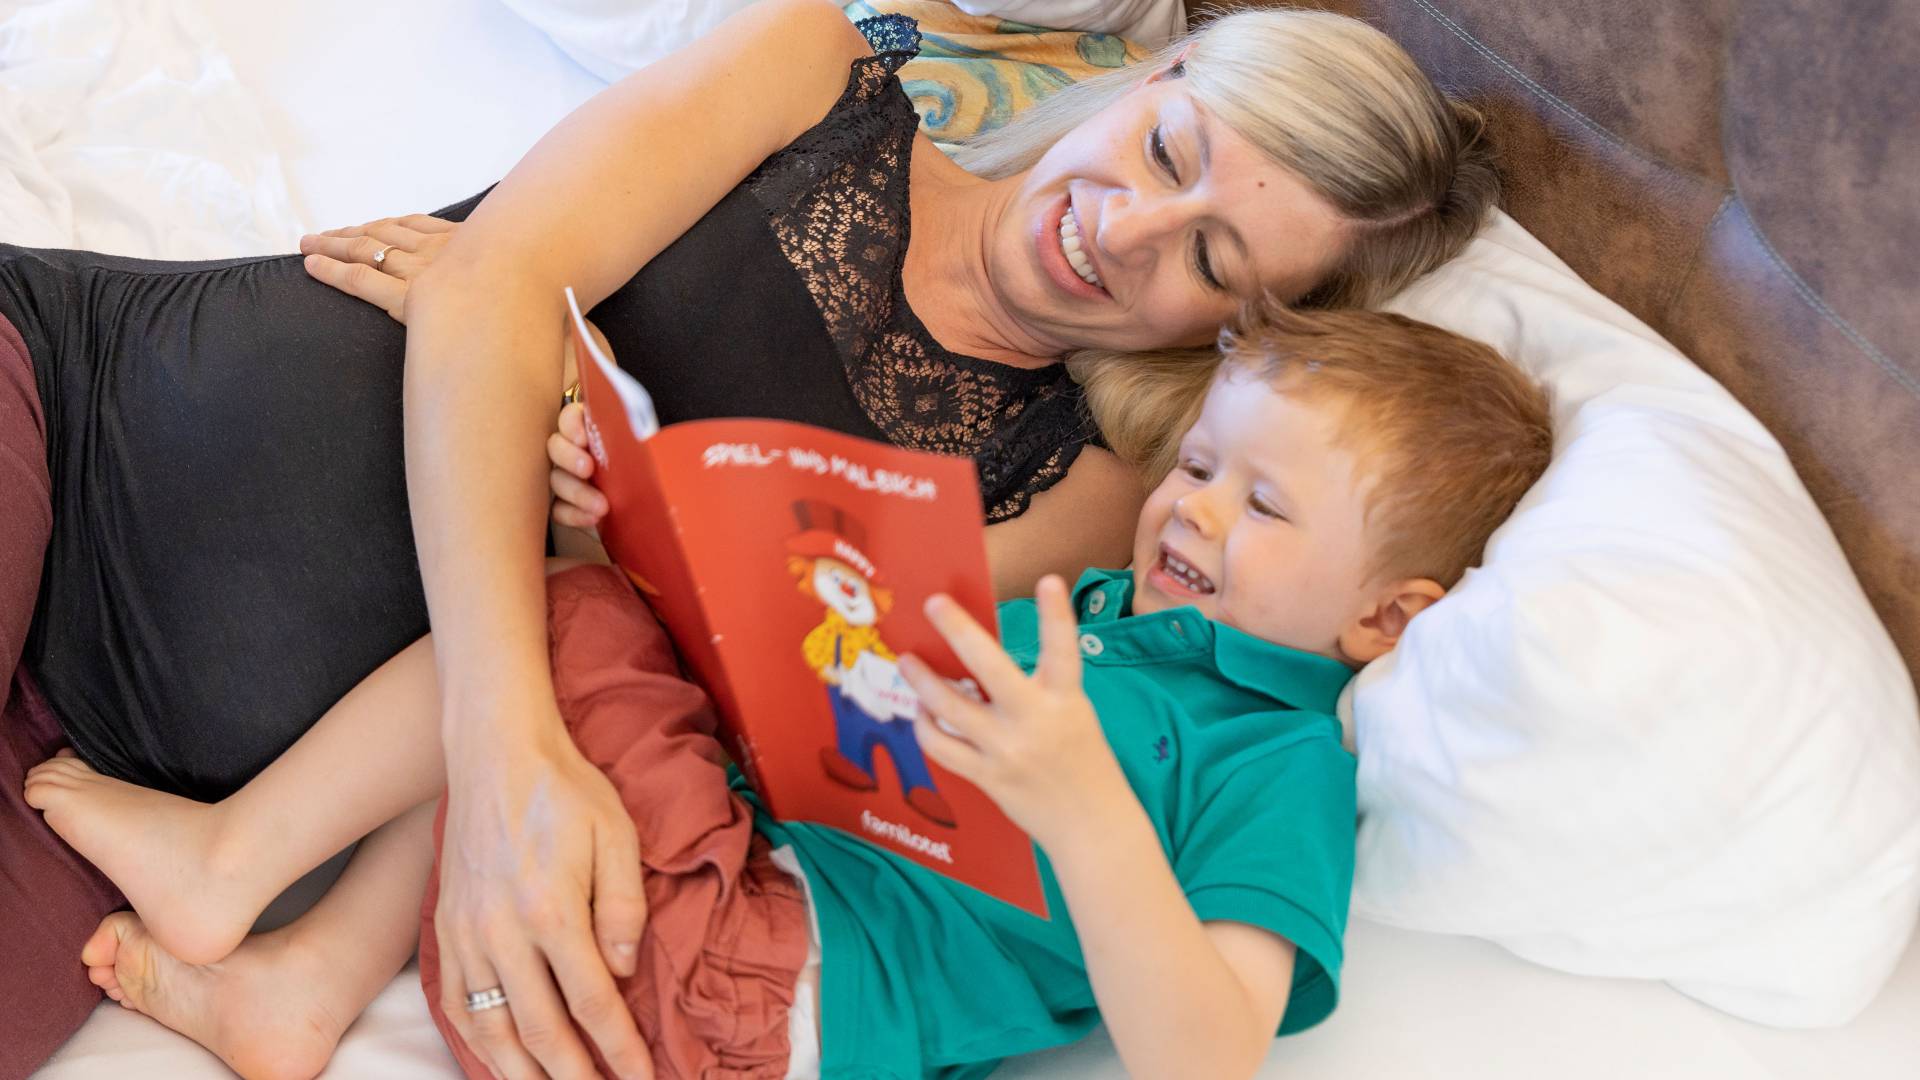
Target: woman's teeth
<point>1070,243</point>
<point>1184,573</point>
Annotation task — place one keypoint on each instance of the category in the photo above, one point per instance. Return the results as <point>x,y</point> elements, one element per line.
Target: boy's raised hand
<point>1036,748</point>
<point>577,504</point>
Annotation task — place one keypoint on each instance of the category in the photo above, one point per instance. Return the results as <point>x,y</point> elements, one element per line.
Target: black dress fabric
<point>231,548</point>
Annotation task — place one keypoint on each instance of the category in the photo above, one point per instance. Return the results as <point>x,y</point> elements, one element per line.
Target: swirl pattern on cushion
<point>974,72</point>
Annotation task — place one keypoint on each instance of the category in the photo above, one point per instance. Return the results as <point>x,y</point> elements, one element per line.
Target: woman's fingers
<point>539,1025</point>
<point>419,223</point>
<point>619,900</point>
<point>568,456</point>
<point>595,1003</point>
<point>383,291</point>
<point>403,259</point>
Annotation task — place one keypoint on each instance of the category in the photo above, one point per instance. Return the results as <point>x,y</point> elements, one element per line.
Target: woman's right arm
<point>539,859</point>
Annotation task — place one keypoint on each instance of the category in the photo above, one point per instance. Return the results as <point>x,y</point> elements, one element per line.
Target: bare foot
<point>262,1009</point>
<point>161,850</point>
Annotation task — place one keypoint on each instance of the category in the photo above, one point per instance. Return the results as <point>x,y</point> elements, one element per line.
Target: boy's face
<point>1262,523</point>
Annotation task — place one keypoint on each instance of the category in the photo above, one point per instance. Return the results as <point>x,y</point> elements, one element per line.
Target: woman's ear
<point>1174,69</point>
<point>1377,629</point>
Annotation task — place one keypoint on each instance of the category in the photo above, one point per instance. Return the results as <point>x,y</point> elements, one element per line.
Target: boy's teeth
<point>1186,574</point>
<point>1070,245</point>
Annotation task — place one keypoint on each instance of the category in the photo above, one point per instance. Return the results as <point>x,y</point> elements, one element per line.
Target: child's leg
<point>279,1003</point>
<point>200,873</point>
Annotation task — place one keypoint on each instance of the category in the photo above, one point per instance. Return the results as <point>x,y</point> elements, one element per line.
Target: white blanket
<point>124,130</point>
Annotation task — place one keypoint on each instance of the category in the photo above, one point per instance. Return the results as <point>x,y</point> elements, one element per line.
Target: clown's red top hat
<point>826,530</point>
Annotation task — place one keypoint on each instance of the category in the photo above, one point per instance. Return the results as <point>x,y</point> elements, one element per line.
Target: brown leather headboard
<point>1744,175</point>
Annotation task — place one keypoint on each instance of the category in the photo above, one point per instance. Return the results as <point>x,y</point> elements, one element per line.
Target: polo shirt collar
<point>1302,680</point>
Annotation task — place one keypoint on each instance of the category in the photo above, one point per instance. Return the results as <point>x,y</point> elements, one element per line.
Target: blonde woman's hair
<point>1332,100</point>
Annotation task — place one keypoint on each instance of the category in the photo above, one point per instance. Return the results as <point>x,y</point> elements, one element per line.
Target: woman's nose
<point>1134,224</point>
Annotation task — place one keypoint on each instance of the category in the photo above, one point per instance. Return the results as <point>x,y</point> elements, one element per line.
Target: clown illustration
<point>872,706</point>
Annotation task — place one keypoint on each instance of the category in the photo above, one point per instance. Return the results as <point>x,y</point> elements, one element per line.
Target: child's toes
<point>103,948</point>
<point>41,791</point>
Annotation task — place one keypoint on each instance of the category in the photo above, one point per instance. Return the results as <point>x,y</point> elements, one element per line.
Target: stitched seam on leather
<point>1906,380</point>
<point>1560,104</point>
<point>1693,266</point>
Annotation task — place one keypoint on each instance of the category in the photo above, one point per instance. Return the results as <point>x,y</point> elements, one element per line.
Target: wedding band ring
<point>482,1000</point>
<point>380,257</point>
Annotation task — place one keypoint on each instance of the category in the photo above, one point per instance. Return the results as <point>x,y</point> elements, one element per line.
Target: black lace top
<point>785,301</point>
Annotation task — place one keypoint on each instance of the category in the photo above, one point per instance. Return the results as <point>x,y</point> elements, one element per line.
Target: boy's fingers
<point>977,649</point>
<point>957,756</point>
<point>568,456</point>
<point>578,492</point>
<point>967,717</point>
<point>573,423</point>
<point>1059,666</point>
<point>572,517</point>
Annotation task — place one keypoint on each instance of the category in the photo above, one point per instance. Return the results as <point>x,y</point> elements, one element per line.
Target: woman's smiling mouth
<point>1064,254</point>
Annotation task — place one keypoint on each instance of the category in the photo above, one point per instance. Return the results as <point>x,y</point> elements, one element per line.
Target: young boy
<point>1166,734</point>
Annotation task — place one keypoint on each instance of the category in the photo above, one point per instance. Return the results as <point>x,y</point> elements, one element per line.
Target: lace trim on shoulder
<point>837,201</point>
<point>893,38</point>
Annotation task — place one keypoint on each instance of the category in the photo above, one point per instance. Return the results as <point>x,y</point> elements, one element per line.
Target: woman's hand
<point>541,896</point>
<point>577,504</point>
<point>376,261</point>
<point>1036,747</point>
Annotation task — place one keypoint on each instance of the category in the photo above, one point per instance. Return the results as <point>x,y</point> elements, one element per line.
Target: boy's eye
<point>1265,509</point>
<point>1160,155</point>
<point>1204,264</point>
<point>1196,470</point>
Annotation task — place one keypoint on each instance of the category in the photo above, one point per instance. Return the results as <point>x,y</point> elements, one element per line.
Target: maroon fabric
<point>26,501</point>
<point>51,900</point>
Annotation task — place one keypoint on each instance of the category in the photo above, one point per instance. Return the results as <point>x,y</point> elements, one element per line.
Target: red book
<point>790,565</point>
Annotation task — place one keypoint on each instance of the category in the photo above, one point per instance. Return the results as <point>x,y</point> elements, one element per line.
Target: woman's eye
<point>1160,155</point>
<point>1203,263</point>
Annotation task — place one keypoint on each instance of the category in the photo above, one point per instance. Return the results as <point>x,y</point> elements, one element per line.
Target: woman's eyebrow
<point>1205,139</point>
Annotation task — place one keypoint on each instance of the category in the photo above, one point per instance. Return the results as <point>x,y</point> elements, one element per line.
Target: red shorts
<point>727,931</point>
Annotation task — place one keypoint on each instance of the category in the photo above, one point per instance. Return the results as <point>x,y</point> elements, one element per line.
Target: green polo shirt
<point>1230,744</point>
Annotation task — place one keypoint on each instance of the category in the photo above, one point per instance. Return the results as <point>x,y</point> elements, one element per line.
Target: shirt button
<point>1096,603</point>
<point>1092,645</point>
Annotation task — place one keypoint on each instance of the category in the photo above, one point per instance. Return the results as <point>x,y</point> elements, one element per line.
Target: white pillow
<point>614,38</point>
<point>1659,733</point>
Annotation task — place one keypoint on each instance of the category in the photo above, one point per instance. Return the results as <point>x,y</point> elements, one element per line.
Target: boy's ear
<point>1375,632</point>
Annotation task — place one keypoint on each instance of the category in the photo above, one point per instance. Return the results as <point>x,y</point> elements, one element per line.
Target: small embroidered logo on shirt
<point>1161,750</point>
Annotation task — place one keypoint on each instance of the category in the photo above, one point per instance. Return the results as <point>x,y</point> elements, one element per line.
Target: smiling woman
<point>1295,153</point>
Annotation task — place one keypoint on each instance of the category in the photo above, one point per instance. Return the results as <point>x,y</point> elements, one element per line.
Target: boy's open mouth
<point>1182,574</point>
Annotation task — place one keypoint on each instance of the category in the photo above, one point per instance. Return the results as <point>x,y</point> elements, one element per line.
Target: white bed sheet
<point>377,108</point>
<point>1416,1006</point>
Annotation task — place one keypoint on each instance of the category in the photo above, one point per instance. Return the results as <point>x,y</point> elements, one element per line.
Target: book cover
<point>790,565</point>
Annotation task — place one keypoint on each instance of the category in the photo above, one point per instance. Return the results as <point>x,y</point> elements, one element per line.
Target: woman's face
<point>1176,220</point>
